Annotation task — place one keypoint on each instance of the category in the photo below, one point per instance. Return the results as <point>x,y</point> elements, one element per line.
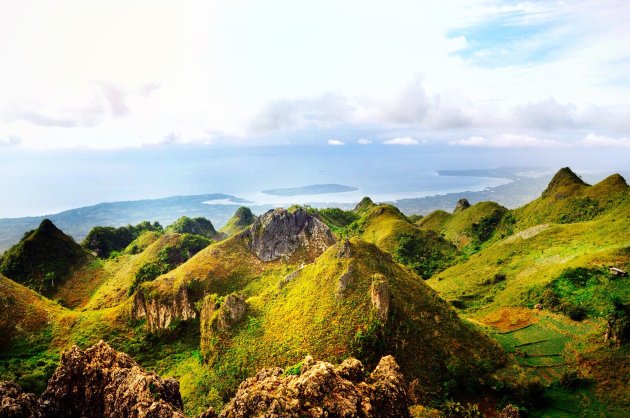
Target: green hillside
<point>519,306</point>
<point>468,226</point>
<point>243,217</point>
<point>354,300</point>
<point>43,259</point>
<point>198,226</point>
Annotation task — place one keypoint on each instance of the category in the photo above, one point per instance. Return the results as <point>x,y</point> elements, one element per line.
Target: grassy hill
<point>331,309</point>
<point>198,226</point>
<point>568,199</point>
<point>43,259</point>
<point>512,309</point>
<point>243,217</point>
<point>425,251</point>
<point>471,225</point>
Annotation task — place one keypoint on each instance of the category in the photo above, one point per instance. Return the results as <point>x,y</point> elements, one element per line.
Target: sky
<point>535,76</point>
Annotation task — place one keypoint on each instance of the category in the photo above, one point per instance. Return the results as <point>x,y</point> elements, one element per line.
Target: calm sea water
<point>44,182</point>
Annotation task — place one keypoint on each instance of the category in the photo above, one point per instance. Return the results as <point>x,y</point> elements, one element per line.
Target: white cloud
<point>593,140</point>
<point>10,141</point>
<point>364,141</point>
<point>335,142</point>
<point>401,141</point>
<point>507,141</point>
<point>194,73</point>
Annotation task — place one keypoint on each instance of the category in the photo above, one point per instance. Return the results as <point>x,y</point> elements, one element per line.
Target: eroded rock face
<point>160,311</point>
<point>462,204</point>
<point>97,382</point>
<point>323,390</point>
<point>101,382</point>
<point>345,280</point>
<point>280,233</point>
<point>217,319</point>
<point>381,296</point>
<point>14,403</point>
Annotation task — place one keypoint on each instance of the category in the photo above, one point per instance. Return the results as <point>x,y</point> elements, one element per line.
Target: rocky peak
<point>280,233</point>
<point>564,183</point>
<point>242,218</point>
<point>321,389</point>
<point>462,204</point>
<point>363,205</point>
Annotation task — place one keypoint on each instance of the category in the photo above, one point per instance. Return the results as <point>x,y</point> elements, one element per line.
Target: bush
<point>169,258</point>
<point>575,312</point>
<point>425,254</point>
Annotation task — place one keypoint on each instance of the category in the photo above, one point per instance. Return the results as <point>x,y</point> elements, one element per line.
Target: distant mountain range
<point>219,207</point>
<point>77,222</point>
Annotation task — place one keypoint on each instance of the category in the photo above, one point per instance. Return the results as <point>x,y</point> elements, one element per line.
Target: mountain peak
<point>47,225</point>
<point>364,204</point>
<point>564,183</point>
<point>199,226</point>
<point>242,218</point>
<point>43,258</point>
<point>280,233</point>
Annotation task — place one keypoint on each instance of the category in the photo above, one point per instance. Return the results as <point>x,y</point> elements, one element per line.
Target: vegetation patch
<point>103,240</point>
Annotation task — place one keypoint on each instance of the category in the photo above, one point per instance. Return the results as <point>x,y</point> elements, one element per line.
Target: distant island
<point>311,189</point>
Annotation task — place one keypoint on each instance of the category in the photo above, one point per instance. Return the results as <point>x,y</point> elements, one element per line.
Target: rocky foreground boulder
<point>97,382</point>
<point>14,403</point>
<point>320,389</point>
<point>280,233</point>
<point>102,382</point>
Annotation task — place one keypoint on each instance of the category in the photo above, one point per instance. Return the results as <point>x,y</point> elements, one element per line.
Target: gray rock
<point>280,233</point>
<point>381,296</point>
<point>462,204</point>
<point>101,382</point>
<point>160,311</point>
<point>323,390</point>
<point>14,403</point>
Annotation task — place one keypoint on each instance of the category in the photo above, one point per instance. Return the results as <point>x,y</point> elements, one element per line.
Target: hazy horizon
<point>126,101</point>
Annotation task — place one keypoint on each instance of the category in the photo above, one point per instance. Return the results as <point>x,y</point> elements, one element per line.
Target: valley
<point>473,308</point>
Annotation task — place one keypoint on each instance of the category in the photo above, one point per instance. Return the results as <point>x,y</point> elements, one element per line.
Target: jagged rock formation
<point>321,389</point>
<point>346,279</point>
<point>97,382</point>
<point>101,382</point>
<point>381,296</point>
<point>14,403</point>
<point>280,233</point>
<point>618,325</point>
<point>219,318</point>
<point>160,311</point>
<point>462,204</point>
<point>241,220</point>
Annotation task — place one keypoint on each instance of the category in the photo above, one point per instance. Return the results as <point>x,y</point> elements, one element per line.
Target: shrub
<point>425,254</point>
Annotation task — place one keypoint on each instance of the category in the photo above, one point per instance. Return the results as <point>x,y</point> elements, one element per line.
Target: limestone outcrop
<point>280,233</point>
